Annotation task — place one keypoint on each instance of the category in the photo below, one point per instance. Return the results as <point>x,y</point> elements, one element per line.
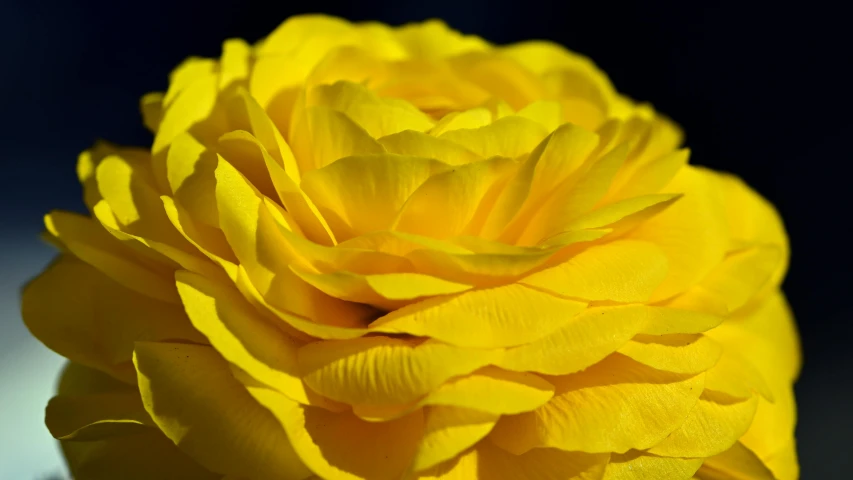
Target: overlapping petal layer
<point>362,252</point>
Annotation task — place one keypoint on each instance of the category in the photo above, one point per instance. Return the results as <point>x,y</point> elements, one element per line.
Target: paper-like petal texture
<point>355,251</point>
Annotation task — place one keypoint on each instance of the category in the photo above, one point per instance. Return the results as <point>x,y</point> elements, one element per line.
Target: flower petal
<point>384,184</point>
<point>336,328</point>
<point>96,416</point>
<point>573,199</point>
<point>293,199</point>
<point>382,370</point>
<point>613,406</point>
<point>94,245</point>
<point>133,457</point>
<point>243,336</point>
<point>508,137</point>
<point>678,353</point>
<point>508,392</point>
<point>449,431</point>
<point>85,316</point>
<point>253,233</point>
<point>191,395</point>
<point>334,445</point>
<point>495,317</point>
<point>691,232</point>
<point>738,462</point>
<point>322,135</point>
<point>714,425</point>
<point>378,116</point>
<point>620,271</point>
<point>419,144</point>
<point>636,465</point>
<point>445,204</point>
<point>387,291</point>
<point>488,461</point>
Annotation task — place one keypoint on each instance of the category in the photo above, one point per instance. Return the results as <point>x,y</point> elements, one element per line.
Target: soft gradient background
<point>762,90</point>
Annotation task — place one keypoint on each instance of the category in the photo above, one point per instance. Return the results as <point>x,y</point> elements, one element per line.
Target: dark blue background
<point>762,90</point>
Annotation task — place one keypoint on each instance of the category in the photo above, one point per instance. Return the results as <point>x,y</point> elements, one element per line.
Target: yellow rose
<point>362,252</point>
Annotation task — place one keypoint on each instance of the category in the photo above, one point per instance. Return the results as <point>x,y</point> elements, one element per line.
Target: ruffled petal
<point>192,396</point>
<point>85,316</point>
<point>738,463</point>
<point>496,317</point>
<point>488,461</point>
<point>341,446</point>
<point>620,271</point>
<point>448,431</point>
<point>714,425</point>
<point>613,406</point>
<point>679,353</point>
<point>635,465</point>
<point>383,370</point>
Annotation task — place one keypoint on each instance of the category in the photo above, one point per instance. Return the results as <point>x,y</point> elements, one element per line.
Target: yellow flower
<point>362,252</point>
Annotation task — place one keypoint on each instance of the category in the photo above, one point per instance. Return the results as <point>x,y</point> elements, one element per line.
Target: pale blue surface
<point>28,370</point>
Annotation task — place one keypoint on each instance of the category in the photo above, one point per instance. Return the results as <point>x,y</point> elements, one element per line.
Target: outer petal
<point>90,242</point>
<point>104,450</point>
<point>133,457</point>
<point>244,336</point>
<point>333,445</point>
<point>85,316</point>
<point>193,398</point>
<point>613,406</point>
<point>96,416</point>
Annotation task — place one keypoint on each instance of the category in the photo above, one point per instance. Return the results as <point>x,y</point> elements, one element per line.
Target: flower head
<point>362,252</point>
